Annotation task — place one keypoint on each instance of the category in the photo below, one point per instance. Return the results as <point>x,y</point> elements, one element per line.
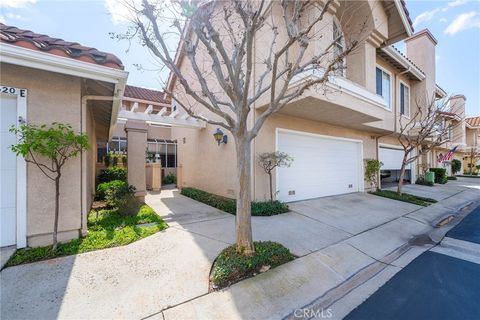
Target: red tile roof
<point>30,40</point>
<point>473,121</point>
<point>144,94</point>
<point>404,5</point>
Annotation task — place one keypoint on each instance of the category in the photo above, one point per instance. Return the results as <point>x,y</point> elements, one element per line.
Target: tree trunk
<point>243,223</point>
<point>57,201</point>
<point>271,186</point>
<point>402,175</point>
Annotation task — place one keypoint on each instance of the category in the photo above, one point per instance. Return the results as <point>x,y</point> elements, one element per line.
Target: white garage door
<point>322,166</point>
<point>8,117</point>
<point>391,158</point>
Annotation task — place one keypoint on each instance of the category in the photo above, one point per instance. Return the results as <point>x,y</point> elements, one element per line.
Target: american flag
<point>449,155</point>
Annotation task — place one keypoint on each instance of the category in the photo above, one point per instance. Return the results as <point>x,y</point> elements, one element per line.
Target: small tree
<point>49,148</point>
<point>270,160</point>
<point>372,170</point>
<point>474,156</point>
<point>426,129</point>
<point>456,166</point>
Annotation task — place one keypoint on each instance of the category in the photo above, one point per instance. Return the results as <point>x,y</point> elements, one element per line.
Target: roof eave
<point>45,61</point>
<point>410,67</point>
<point>403,17</point>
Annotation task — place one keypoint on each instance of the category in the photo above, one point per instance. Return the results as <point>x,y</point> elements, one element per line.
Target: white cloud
<point>13,16</point>
<point>425,16</point>
<point>16,3</point>
<point>457,3</point>
<point>2,19</point>
<point>120,11</point>
<point>462,22</point>
<point>428,15</point>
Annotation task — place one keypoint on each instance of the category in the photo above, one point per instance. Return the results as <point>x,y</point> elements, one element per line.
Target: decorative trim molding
<point>49,62</point>
<point>21,180</point>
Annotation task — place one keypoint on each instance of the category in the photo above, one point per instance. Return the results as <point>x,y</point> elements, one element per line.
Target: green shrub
<point>268,208</point>
<point>103,187</point>
<point>107,159</point>
<point>231,266</point>
<point>219,202</point>
<point>421,180</point>
<point>122,196</point>
<point>456,166</point>
<point>112,173</point>
<point>259,208</point>
<point>405,197</point>
<point>106,229</point>
<point>169,179</point>
<point>372,169</point>
<point>440,175</point>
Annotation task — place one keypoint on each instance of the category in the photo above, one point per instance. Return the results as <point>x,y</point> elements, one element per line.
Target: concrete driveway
<point>170,268</point>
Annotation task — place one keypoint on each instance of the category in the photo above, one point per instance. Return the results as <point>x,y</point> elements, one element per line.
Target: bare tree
<point>474,156</point>
<point>240,53</point>
<point>271,160</point>
<point>428,127</point>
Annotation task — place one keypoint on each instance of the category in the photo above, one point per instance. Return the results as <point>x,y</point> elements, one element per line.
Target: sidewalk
<point>341,242</point>
<point>319,279</point>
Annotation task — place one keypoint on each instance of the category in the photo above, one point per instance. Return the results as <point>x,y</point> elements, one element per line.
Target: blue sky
<point>455,24</point>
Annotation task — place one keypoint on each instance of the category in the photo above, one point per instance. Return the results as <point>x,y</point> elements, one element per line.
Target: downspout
<point>254,149</point>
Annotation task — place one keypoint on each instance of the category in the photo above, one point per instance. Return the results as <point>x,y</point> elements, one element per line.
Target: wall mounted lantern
<point>220,137</point>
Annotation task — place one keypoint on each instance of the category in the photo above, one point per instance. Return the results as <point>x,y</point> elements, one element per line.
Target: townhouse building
<point>330,134</point>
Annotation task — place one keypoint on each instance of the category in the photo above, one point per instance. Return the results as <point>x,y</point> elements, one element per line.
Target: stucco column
<point>136,146</point>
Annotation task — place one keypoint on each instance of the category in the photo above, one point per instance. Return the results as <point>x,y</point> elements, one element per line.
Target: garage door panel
<point>391,158</point>
<point>321,166</point>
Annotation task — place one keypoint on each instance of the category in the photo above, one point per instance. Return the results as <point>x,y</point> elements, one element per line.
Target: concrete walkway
<point>166,275</point>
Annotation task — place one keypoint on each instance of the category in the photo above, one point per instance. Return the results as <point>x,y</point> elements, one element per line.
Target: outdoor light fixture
<point>220,137</point>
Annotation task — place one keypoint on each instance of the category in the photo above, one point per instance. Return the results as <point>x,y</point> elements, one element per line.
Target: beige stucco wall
<point>51,97</point>
<point>206,165</point>
<point>472,137</point>
<point>420,49</point>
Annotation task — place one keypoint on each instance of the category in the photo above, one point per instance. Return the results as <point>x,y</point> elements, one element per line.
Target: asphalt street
<point>434,286</point>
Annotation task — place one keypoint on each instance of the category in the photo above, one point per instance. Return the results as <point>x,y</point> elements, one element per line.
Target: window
<point>338,48</point>
<point>383,86</point>
<point>163,151</point>
<point>117,145</point>
<point>404,100</point>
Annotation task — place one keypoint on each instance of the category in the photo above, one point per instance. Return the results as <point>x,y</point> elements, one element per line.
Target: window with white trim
<point>163,151</point>
<point>383,86</point>
<point>404,100</point>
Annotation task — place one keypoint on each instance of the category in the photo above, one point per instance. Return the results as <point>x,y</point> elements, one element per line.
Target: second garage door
<point>322,166</point>
<point>392,159</point>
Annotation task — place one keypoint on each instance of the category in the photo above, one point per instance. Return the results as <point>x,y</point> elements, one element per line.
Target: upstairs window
<point>383,86</point>
<point>338,48</point>
<point>404,100</point>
